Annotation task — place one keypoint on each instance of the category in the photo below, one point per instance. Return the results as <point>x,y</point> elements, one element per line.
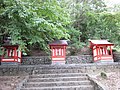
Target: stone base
<point>105,61</point>
<point>9,63</point>
<point>58,62</point>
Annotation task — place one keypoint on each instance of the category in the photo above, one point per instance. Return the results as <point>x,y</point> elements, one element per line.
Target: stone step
<point>57,75</point>
<point>57,83</point>
<point>53,79</point>
<point>50,71</point>
<point>81,87</point>
<point>57,78</point>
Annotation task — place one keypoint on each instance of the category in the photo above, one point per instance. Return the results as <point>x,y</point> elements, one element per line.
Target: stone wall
<point>116,56</point>
<point>36,60</point>
<point>6,70</point>
<point>85,68</point>
<point>79,59</point>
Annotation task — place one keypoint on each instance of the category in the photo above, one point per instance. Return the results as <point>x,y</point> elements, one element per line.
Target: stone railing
<point>97,85</point>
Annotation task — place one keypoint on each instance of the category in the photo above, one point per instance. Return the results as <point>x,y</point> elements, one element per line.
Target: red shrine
<point>102,50</point>
<point>58,49</point>
<point>11,54</point>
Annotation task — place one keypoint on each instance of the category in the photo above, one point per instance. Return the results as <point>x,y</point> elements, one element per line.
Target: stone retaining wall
<point>15,70</point>
<point>36,60</point>
<point>85,68</point>
<point>116,56</point>
<point>81,59</point>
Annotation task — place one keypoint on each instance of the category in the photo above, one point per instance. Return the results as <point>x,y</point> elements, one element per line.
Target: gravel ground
<point>111,81</point>
<point>9,82</point>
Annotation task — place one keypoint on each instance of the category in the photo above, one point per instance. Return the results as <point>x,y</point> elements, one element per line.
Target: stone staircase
<point>57,79</point>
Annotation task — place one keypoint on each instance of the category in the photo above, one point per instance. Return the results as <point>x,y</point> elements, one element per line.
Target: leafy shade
<point>33,21</point>
<point>94,21</point>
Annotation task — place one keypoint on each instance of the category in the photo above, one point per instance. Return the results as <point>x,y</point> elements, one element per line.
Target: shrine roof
<point>59,42</point>
<point>10,46</point>
<point>101,42</point>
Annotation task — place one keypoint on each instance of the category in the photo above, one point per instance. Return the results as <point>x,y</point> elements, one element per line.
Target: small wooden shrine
<point>10,53</point>
<point>102,50</point>
<point>58,51</point>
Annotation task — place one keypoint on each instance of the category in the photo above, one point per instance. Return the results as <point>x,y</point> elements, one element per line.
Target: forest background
<point>34,23</point>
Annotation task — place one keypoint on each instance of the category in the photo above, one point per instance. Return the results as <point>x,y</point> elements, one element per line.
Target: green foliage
<point>103,26</point>
<point>94,21</point>
<point>33,21</point>
<point>79,14</point>
<point>30,22</point>
<point>75,38</point>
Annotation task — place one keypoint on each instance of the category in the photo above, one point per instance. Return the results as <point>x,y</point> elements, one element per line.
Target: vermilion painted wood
<point>100,50</point>
<point>58,50</point>
<point>12,52</point>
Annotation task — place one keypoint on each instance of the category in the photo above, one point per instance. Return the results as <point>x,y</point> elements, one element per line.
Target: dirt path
<point>9,82</point>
